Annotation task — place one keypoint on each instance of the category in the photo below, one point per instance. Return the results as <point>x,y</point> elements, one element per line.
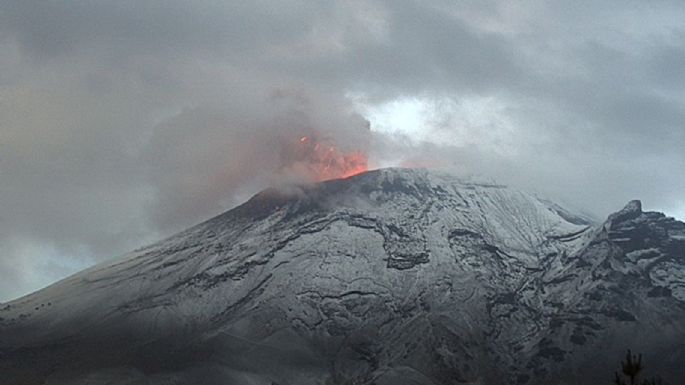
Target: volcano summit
<point>392,276</point>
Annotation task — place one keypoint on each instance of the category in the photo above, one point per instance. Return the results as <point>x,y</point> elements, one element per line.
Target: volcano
<point>392,276</point>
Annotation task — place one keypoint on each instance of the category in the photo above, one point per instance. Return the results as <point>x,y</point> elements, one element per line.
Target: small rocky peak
<point>633,206</point>
<point>633,229</point>
<point>631,211</point>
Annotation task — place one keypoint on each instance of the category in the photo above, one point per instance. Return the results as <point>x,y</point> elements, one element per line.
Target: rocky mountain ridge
<point>394,276</point>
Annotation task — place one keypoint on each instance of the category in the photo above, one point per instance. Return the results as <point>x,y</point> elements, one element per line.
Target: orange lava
<point>326,161</point>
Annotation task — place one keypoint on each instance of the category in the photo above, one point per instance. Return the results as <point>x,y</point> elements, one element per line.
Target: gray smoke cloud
<point>124,121</point>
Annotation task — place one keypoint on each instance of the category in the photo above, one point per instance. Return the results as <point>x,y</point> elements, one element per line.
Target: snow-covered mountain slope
<point>390,277</point>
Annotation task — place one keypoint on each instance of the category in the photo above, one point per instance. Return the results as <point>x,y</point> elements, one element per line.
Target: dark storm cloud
<point>123,121</point>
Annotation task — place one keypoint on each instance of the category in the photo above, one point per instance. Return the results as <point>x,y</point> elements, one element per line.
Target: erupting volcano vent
<point>321,159</point>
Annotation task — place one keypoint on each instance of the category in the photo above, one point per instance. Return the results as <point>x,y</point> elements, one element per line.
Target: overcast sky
<point>124,121</point>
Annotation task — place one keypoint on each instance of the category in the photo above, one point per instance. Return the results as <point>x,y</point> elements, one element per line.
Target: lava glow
<point>326,161</point>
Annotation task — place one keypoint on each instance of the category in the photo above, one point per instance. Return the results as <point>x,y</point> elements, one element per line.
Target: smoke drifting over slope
<point>207,158</point>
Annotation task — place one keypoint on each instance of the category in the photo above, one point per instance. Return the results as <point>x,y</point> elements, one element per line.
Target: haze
<point>122,122</point>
